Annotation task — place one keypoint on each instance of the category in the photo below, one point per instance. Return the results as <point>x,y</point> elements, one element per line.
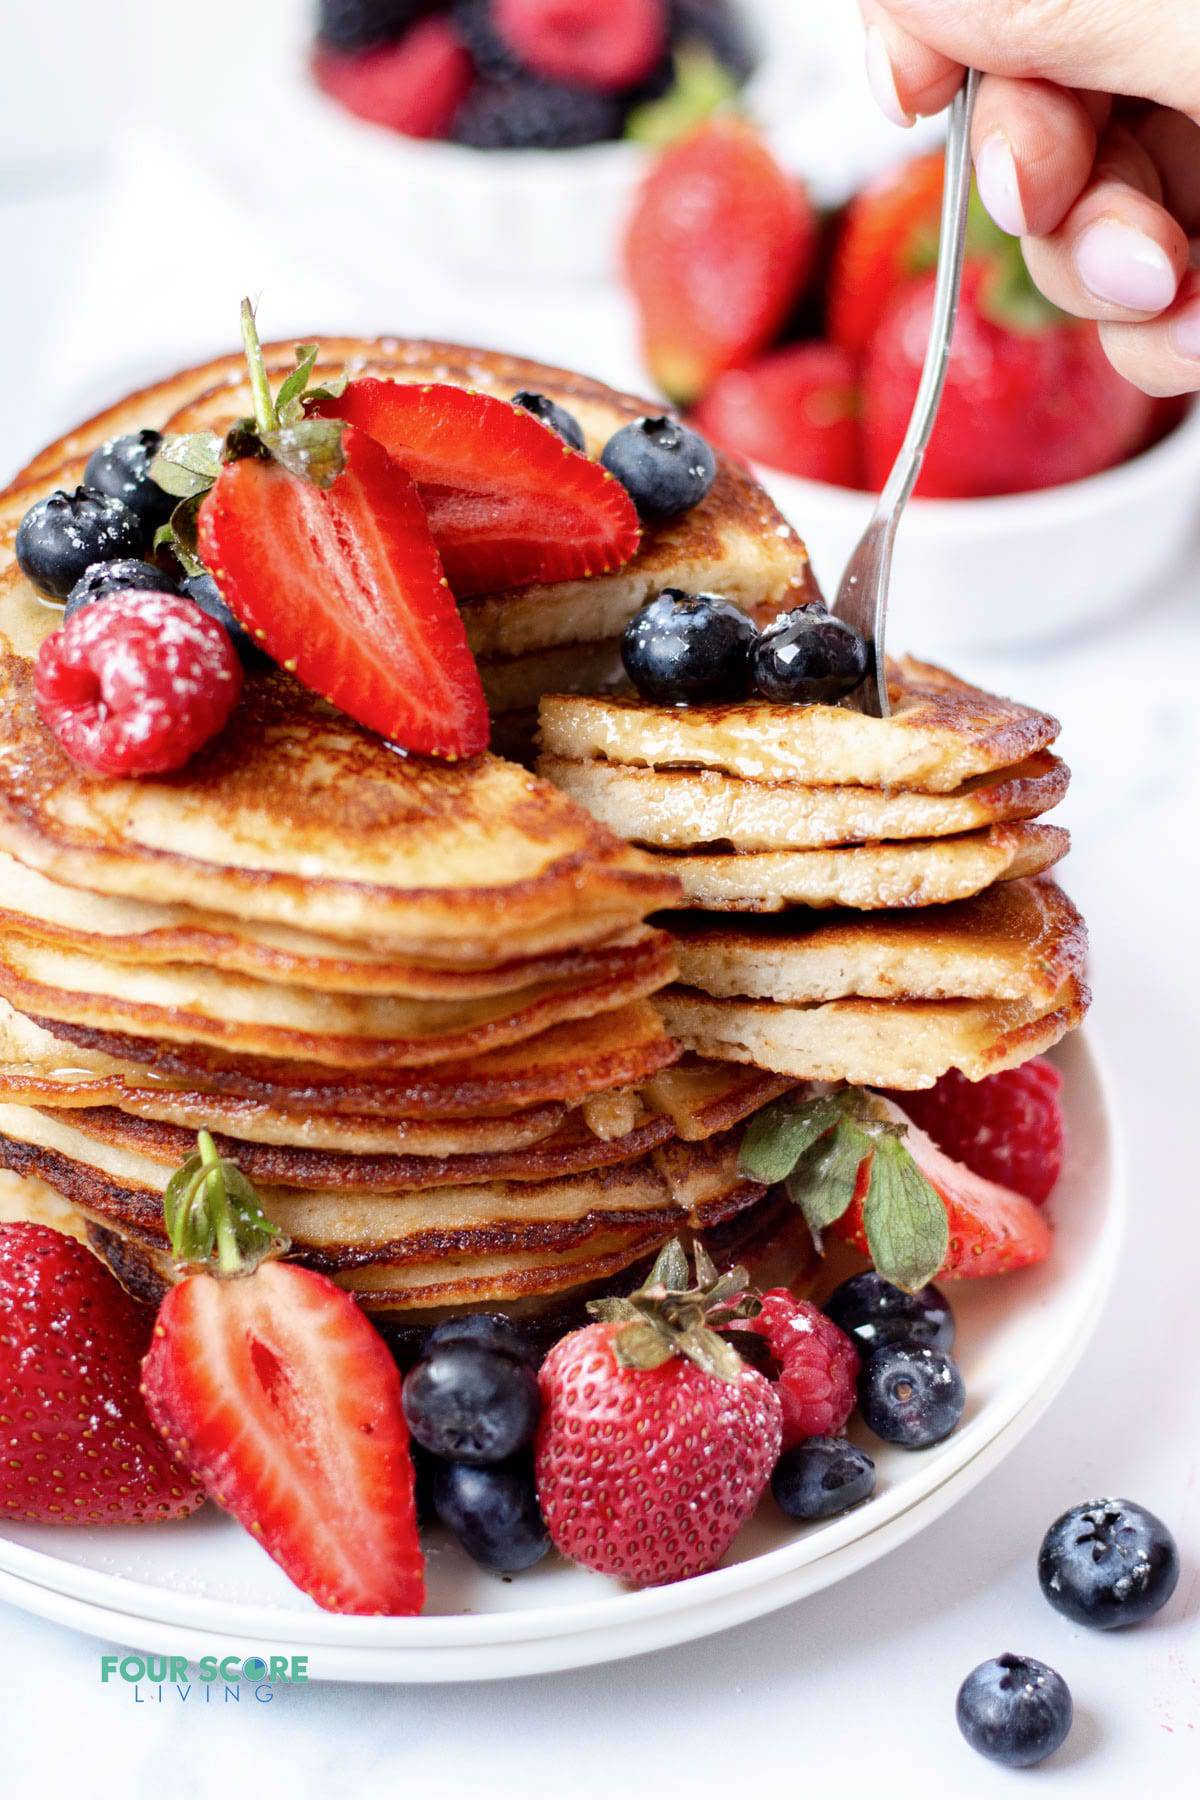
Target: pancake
<point>921,872</point>
<point>568,1063</point>
<point>197,1005</point>
<point>874,1043</point>
<point>942,733</point>
<point>1020,940</point>
<point>683,809</point>
<point>294,815</point>
<point>140,932</point>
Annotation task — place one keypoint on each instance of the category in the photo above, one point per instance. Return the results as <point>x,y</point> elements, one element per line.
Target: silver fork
<point>863,595</point>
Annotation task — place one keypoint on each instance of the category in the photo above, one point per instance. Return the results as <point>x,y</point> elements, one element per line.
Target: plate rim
<point>758,1584</point>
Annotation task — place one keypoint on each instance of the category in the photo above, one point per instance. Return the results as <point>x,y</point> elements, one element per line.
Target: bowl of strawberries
<point>508,136</point>
<point>1052,490</point>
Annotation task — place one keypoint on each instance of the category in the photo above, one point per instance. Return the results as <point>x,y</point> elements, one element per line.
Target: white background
<point>122,259</point>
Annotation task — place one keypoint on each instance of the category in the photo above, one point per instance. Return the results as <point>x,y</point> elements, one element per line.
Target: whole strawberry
<point>76,1443</point>
<point>818,1366</point>
<point>1030,399</point>
<point>656,1440</point>
<point>719,246</point>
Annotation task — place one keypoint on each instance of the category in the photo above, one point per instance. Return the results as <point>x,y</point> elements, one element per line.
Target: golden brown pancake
<point>867,877</point>
<point>686,809</point>
<point>1020,940</point>
<point>190,1004</point>
<point>942,733</point>
<point>902,1043</point>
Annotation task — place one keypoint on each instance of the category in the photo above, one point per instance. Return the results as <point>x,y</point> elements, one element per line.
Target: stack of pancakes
<point>866,898</point>
<point>411,1000</point>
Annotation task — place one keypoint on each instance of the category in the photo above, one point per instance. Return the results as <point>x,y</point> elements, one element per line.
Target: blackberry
<point>492,56</point>
<point>363,24</point>
<point>525,113</point>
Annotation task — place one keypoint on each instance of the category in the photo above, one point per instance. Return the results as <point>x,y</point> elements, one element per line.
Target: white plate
<point>206,1587</point>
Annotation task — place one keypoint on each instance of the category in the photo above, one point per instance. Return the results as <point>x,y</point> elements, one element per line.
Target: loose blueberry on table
<point>1107,1564</point>
<point>1014,1710</point>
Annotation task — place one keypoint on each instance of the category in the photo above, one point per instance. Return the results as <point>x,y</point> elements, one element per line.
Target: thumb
<point>1147,50</point>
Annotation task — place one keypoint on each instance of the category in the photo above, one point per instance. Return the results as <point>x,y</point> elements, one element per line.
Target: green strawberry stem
<point>229,1257</point>
<point>265,415</point>
<point>213,1216</point>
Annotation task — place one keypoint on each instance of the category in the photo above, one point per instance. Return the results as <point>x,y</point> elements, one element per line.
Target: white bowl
<point>1020,568</point>
<point>532,214</point>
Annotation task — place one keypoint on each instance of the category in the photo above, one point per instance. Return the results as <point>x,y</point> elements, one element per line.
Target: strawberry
<point>719,246</point>
<point>1030,398</point>
<point>277,1393</point>
<point>889,233</point>
<point>415,86</point>
<point>508,502</point>
<point>319,544</point>
<point>1007,1127</point>
<point>608,47</point>
<point>854,1163</point>
<point>991,1229</point>
<point>818,1366</point>
<point>78,1445</point>
<point>794,409</point>
<point>655,1440</point>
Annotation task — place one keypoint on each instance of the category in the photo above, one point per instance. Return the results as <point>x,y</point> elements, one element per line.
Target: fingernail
<point>882,80</point>
<point>999,187</point>
<point>1184,332</point>
<point>1125,267</point>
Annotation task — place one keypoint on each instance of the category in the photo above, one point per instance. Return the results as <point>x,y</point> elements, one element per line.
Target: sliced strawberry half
<point>343,585</point>
<point>993,1230</point>
<point>509,504</point>
<point>275,1391</point>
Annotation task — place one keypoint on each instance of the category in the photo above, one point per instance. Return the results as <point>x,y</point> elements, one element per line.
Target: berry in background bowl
<point>499,136</point>
<point>1052,490</point>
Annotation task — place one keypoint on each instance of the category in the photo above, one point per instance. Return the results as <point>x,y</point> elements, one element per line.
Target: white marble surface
<point>123,258</point>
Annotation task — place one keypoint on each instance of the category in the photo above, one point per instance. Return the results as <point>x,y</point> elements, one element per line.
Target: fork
<point>863,595</point>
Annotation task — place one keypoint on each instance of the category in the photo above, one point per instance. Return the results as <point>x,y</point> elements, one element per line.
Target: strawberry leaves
<point>668,1317</point>
<point>211,1208</point>
<point>187,466</point>
<point>823,1149</point>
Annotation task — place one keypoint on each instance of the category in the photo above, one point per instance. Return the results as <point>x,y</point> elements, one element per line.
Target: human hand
<point>1086,144</point>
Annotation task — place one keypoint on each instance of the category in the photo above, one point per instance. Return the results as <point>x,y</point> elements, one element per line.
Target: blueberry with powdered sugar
<point>61,536</point>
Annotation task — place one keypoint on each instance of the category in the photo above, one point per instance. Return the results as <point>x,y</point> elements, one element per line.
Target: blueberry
<point>493,1513</point>
<point>911,1394</point>
<point>1014,1710</point>
<point>110,577</point>
<point>203,590</point>
<point>60,537</point>
<point>809,657</point>
<point>664,467</point>
<point>121,467</point>
<point>1108,1563</point>
<point>491,1330</point>
<point>821,1477</point>
<point>364,24</point>
<point>873,1312</point>
<point>471,1404</point>
<point>552,414</point>
<point>689,647</point>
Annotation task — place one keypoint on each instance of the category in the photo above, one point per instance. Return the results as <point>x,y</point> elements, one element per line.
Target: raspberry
<point>415,86</point>
<point>818,1366</point>
<point>608,47</point>
<point>135,683</point>
<point>1007,1127</point>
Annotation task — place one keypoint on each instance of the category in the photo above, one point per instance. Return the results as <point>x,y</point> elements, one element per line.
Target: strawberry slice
<point>992,1229</point>
<point>509,504</point>
<point>343,586</point>
<point>275,1391</point>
